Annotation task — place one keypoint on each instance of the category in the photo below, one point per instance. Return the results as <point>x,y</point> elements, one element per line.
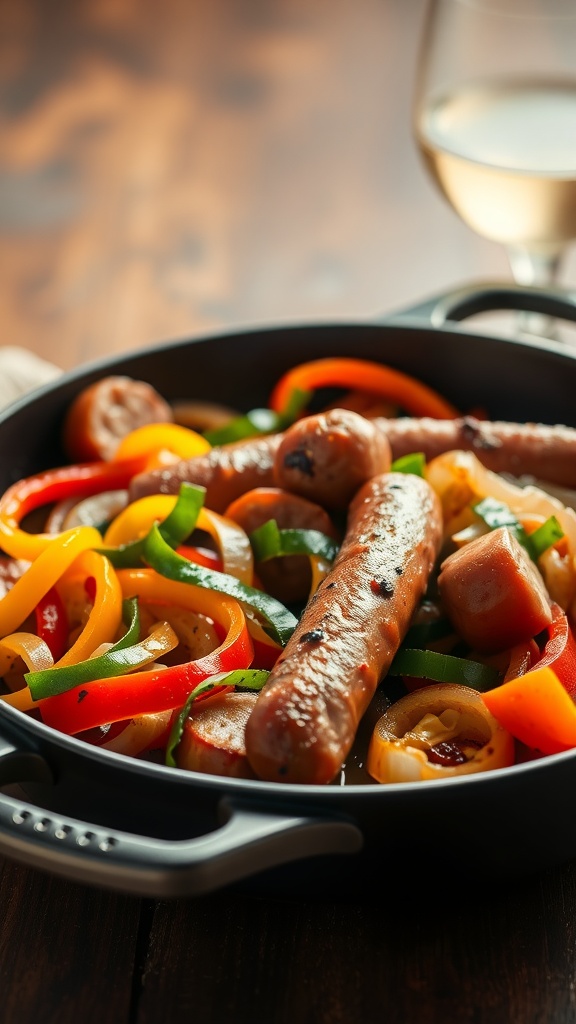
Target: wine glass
<point>495,123</point>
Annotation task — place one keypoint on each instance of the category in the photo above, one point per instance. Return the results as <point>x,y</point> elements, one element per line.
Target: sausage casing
<point>306,717</point>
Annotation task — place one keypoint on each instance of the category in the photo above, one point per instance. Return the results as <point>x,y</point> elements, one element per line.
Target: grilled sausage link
<point>306,717</point>
<point>545,452</point>
<point>327,457</point>
<point>225,472</point>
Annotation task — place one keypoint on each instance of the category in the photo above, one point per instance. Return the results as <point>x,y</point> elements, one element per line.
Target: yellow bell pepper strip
<point>118,660</point>
<point>106,613</point>
<point>152,439</point>
<point>20,601</point>
<point>101,701</point>
<point>536,709</point>
<point>52,622</point>
<point>438,732</point>
<point>53,485</point>
<point>279,622</point>
<point>410,394</point>
<point>245,679</point>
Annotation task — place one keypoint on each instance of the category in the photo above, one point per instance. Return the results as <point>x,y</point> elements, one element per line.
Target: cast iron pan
<point>105,819</point>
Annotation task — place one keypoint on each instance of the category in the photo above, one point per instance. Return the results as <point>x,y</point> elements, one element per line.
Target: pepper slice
<point>120,698</point>
<point>21,600</point>
<point>443,668</point>
<point>375,378</point>
<point>54,485</point>
<point>251,679</point>
<point>268,541</point>
<point>536,709</point>
<point>279,621</point>
<point>558,652</point>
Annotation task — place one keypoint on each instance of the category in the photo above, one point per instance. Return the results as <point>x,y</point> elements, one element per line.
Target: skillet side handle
<point>486,297</point>
<point>251,839</point>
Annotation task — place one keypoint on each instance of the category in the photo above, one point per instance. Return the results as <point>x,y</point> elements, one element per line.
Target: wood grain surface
<point>172,168</point>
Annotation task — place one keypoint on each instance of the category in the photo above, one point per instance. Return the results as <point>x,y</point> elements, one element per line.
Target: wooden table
<point>193,166</point>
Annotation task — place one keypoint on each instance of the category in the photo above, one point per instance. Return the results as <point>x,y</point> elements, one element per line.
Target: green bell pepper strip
<point>443,668</point>
<point>496,514</point>
<point>127,653</point>
<point>268,541</point>
<point>175,528</point>
<point>544,537</point>
<point>259,421</point>
<point>413,463</point>
<point>279,622</point>
<point>246,679</point>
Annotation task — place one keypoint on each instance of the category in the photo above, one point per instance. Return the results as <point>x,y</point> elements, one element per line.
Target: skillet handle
<point>488,296</point>
<point>250,839</point>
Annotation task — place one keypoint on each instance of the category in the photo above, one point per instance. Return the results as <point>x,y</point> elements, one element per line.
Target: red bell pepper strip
<point>558,653</point>
<point>52,623</point>
<point>50,486</point>
<point>538,705</point>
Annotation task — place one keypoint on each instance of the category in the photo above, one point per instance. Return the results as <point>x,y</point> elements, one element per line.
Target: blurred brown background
<point>178,167</point>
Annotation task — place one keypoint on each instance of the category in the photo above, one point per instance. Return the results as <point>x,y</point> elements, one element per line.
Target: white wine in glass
<point>495,121</point>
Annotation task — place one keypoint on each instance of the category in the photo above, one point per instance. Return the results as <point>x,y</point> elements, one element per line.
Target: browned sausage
<point>545,452</point>
<point>288,579</point>
<point>306,717</point>
<point>327,457</point>
<point>225,472</point>
<point>493,593</point>
<point>105,411</point>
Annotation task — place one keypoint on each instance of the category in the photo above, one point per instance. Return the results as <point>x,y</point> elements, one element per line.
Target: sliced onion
<point>437,714</point>
<point>94,510</point>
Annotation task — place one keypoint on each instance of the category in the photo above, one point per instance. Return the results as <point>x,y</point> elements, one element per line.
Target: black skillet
<point>105,819</point>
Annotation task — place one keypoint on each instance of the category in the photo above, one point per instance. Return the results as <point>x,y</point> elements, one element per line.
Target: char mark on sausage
<point>327,457</point>
<point>534,449</point>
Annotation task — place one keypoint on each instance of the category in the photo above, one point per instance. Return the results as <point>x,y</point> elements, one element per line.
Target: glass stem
<point>541,269</point>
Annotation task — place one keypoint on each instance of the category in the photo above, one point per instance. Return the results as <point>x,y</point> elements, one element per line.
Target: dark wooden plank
<point>67,952</point>
<point>460,952</point>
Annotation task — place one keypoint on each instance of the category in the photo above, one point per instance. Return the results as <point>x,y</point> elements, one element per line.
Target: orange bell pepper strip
<point>410,394</point>
<point>53,485</point>
<point>134,522</point>
<point>101,701</point>
<point>536,709</point>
